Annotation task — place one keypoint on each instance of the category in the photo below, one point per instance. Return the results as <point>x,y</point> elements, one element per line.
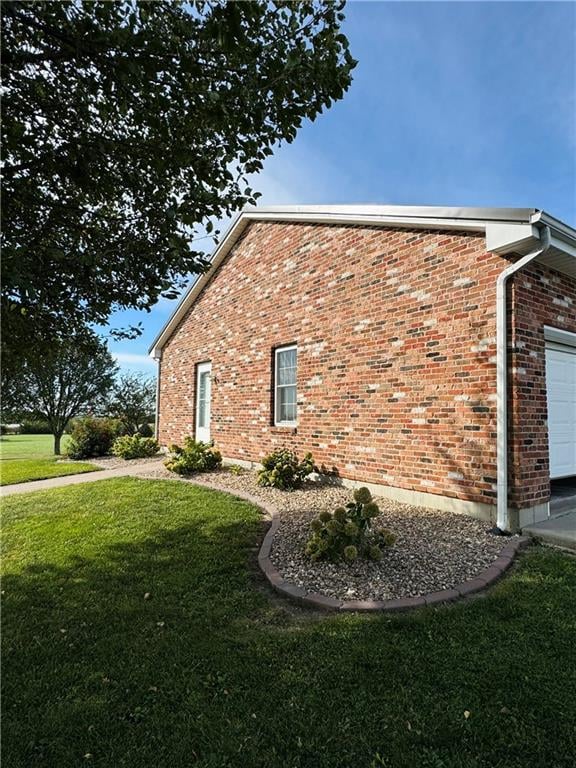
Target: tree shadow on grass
<point>105,641</point>
<point>161,652</point>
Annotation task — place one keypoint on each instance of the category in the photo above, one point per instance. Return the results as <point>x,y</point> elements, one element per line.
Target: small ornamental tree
<point>132,401</point>
<point>70,377</point>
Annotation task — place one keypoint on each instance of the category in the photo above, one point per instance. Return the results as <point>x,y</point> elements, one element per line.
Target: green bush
<point>92,437</point>
<point>347,534</point>
<point>193,457</point>
<point>145,430</point>
<point>35,427</point>
<point>283,470</point>
<point>135,447</point>
<point>69,428</point>
<point>10,429</point>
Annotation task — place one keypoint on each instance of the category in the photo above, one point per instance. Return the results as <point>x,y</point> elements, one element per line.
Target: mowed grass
<point>212,670</point>
<point>31,457</point>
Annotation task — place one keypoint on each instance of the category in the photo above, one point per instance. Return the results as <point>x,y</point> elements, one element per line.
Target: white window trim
<point>559,336</point>
<point>277,422</point>
<point>203,433</point>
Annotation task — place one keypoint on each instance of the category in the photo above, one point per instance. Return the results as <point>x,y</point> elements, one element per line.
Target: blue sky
<point>453,103</point>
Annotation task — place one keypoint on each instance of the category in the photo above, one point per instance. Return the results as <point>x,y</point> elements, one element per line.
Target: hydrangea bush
<point>195,456</point>
<point>282,469</point>
<point>135,447</point>
<point>347,533</point>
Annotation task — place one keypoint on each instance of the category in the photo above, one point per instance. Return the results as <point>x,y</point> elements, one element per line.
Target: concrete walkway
<point>559,531</point>
<point>87,477</point>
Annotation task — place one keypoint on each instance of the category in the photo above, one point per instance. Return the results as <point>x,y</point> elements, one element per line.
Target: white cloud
<point>299,175</point>
<point>132,359</point>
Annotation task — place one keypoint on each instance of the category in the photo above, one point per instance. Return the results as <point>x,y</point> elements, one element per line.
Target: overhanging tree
<point>128,126</point>
<point>71,377</point>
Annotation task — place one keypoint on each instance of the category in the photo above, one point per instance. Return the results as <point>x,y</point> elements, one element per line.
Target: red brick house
<point>429,353</point>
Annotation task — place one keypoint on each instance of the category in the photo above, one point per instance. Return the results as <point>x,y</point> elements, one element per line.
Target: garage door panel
<point>561,389</point>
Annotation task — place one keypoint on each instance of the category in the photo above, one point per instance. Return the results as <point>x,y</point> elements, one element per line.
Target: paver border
<point>479,583</point>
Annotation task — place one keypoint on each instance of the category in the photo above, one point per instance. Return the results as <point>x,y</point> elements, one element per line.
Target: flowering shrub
<point>135,447</point>
<point>283,470</point>
<point>348,534</point>
<point>92,437</point>
<point>193,457</point>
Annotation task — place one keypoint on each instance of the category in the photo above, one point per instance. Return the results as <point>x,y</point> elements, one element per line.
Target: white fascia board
<point>503,237</point>
<point>506,238</point>
<point>367,220</point>
<point>409,212</point>
<point>557,227</point>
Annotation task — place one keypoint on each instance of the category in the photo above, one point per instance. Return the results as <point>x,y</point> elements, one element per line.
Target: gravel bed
<point>434,550</point>
<point>115,462</point>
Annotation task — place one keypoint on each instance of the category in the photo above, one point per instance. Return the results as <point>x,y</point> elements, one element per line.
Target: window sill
<point>283,429</point>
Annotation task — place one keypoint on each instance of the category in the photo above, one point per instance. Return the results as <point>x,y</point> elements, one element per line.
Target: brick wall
<point>396,344</point>
<point>538,297</point>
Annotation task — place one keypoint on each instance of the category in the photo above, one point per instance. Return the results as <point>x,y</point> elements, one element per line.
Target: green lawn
<point>212,670</point>
<point>31,457</point>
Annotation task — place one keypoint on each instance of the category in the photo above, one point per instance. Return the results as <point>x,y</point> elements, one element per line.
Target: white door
<point>561,388</point>
<point>203,373</point>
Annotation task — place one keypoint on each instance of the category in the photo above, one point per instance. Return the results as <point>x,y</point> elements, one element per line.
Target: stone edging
<point>481,582</point>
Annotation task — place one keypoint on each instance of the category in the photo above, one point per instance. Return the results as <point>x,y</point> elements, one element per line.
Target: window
<point>285,360</point>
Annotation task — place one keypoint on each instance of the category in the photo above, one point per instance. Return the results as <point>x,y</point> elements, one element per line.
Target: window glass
<point>285,401</point>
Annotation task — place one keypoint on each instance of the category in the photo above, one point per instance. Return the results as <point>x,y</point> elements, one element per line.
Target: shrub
<point>236,469</point>
<point>92,437</point>
<point>145,430</point>
<point>193,457</point>
<point>35,427</point>
<point>69,428</point>
<point>347,534</point>
<point>10,429</point>
<point>282,469</point>
<point>135,447</point>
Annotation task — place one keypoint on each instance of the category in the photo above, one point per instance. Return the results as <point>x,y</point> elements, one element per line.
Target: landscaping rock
<point>435,550</point>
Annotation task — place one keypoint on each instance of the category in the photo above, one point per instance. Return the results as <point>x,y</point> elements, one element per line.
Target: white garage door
<point>561,385</point>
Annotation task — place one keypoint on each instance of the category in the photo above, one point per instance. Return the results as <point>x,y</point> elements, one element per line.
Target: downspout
<point>502,520</point>
<point>157,420</point>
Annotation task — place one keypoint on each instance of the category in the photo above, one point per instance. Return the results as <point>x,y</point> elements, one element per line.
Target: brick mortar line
<point>479,583</point>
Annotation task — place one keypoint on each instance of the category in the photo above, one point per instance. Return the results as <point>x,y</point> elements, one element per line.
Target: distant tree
<point>128,126</point>
<point>132,401</point>
<point>70,377</point>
